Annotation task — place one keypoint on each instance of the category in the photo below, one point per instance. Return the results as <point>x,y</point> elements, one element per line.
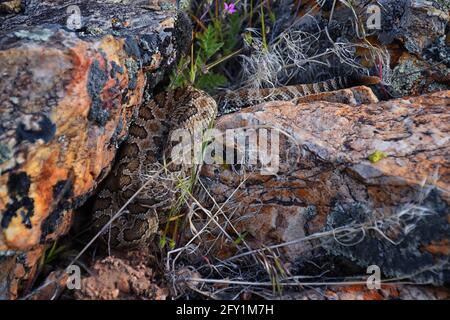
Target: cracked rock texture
<point>369,183</point>
<point>68,92</point>
<point>415,34</point>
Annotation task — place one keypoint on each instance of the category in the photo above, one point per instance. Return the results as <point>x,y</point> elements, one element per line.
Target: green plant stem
<point>192,75</point>
<point>219,61</point>
<point>263,30</point>
<point>251,13</point>
<point>197,20</point>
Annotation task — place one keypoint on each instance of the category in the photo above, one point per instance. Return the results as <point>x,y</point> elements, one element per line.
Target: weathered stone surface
<point>361,292</point>
<point>396,210</point>
<point>68,93</point>
<point>67,99</point>
<point>7,277</point>
<point>18,269</point>
<point>418,23</point>
<point>414,34</point>
<point>408,78</point>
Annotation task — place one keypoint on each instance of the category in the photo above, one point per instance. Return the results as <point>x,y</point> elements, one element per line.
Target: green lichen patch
<point>38,35</point>
<point>377,156</point>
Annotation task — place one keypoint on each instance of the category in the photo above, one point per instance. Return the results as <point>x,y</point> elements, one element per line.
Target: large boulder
<point>405,41</point>
<point>369,183</point>
<point>72,76</point>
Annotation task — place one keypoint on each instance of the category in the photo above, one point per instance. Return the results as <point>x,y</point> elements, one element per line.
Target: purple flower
<point>229,8</point>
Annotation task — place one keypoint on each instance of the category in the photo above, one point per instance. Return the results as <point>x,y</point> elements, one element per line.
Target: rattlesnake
<point>147,146</point>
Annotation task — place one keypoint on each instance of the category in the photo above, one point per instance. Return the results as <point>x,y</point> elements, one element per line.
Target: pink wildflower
<point>229,8</point>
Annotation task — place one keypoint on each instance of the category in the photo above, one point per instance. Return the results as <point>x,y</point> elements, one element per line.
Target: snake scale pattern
<point>148,145</point>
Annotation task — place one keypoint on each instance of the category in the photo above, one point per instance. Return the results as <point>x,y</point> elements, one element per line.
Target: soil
<point>125,278</point>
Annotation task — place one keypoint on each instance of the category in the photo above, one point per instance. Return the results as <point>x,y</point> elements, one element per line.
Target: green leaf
<point>172,244</point>
<point>177,80</point>
<point>272,16</point>
<point>232,33</point>
<point>248,38</point>
<point>199,65</point>
<point>240,238</point>
<point>52,253</point>
<point>162,242</point>
<point>209,43</point>
<point>180,77</point>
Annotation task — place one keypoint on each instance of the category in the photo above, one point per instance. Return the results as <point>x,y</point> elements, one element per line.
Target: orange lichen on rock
<point>439,247</point>
<point>330,181</point>
<point>74,142</point>
<point>67,99</point>
<point>66,112</point>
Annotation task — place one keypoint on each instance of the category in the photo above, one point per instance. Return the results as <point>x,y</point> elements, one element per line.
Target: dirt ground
<point>121,278</point>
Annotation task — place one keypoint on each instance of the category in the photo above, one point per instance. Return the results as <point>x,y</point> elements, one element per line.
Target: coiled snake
<point>148,145</point>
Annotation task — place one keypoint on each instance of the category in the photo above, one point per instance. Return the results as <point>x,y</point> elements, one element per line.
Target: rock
<point>417,23</point>
<point>7,264</point>
<point>18,269</point>
<point>360,292</point>
<point>412,33</point>
<point>408,79</point>
<point>422,62</point>
<point>368,183</point>
<point>55,283</point>
<point>69,90</point>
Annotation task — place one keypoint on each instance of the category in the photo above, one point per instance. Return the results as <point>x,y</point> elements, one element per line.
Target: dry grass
<point>262,270</point>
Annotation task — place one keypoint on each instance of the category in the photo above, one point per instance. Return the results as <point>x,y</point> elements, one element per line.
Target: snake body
<point>234,101</point>
<point>145,147</point>
<point>148,145</point>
